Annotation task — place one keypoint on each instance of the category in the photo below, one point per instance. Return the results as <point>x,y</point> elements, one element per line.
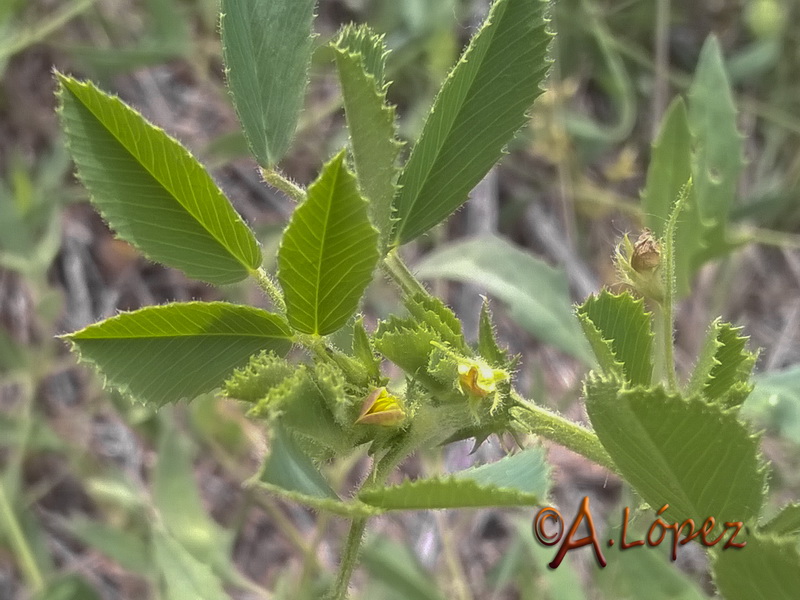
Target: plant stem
<point>564,432</point>
<point>352,547</point>
<point>400,273</point>
<point>284,184</point>
<point>270,288</point>
<point>668,310</point>
<point>17,541</point>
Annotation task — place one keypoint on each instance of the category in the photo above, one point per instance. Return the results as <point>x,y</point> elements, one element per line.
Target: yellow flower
<point>381,408</point>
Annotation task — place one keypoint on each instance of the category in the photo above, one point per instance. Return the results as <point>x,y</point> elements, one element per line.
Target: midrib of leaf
<point>171,188</point>
<point>424,174</point>
<point>323,239</point>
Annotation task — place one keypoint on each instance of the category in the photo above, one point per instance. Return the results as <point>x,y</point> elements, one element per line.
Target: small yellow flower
<point>478,380</point>
<point>381,408</point>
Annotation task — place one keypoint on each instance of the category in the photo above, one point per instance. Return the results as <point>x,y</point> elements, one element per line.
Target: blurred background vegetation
<point>89,481</point>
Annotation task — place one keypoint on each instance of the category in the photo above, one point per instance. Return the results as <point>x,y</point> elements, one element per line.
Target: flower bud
<point>381,408</point>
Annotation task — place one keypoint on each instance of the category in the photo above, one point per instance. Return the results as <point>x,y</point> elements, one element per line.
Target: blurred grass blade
<point>68,587</point>
<point>536,294</point>
<point>395,573</point>
<point>328,252</point>
<point>151,190</point>
<point>775,402</point>
<point>480,107</point>
<point>360,58</point>
<point>184,577</point>
<point>267,50</point>
<point>162,354</point>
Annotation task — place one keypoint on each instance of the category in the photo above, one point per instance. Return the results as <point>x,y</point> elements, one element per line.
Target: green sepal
<point>439,318</point>
<point>488,347</point>
<point>364,353</point>
<point>408,345</point>
<point>252,382</point>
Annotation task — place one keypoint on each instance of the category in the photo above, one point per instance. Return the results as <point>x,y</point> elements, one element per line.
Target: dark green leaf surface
<point>360,58</point>
<point>162,354</point>
<point>694,456</point>
<point>152,191</point>
<point>480,107</point>
<point>267,51</point>
<point>622,323</point>
<point>327,253</point>
<point>537,295</point>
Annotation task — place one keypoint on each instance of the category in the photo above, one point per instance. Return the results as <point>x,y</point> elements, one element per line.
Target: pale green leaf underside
<point>480,107</point>
<point>785,523</point>
<point>623,323</point>
<point>765,569</point>
<point>694,456</point>
<point>152,191</point>
<point>537,295</point>
<point>327,253</point>
<point>519,480</point>
<point>370,122</point>
<point>162,354</point>
<point>267,51</point>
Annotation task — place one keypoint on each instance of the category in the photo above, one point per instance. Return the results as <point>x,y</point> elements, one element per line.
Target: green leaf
<point>267,51</point>
<point>536,294</point>
<point>176,496</point>
<point>481,105</point>
<point>263,372</point>
<point>669,170</point>
<point>395,572</point>
<point>152,191</point>
<point>123,547</point>
<point>290,473</point>
<point>68,587</point>
<point>162,354</point>
<point>765,569</point>
<point>183,576</point>
<point>785,523</point>
<point>408,345</point>
<point>360,59</point>
<point>519,480</point>
<point>775,401</point>
<point>723,369</point>
<point>620,331</point>
<point>718,156</point>
<point>327,253</point>
<point>687,453</point>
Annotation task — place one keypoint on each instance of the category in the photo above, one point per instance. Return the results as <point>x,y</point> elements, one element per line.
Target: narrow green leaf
<point>183,576</point>
<point>363,352</point>
<point>718,157</point>
<point>765,569</point>
<point>687,453</point>
<point>123,547</point>
<point>360,58</point>
<point>290,473</point>
<point>176,496</point>
<point>151,190</point>
<point>620,324</point>
<point>68,587</point>
<point>162,354</point>
<point>519,480</point>
<point>723,369</point>
<point>267,51</point>
<point>537,294</point>
<point>481,105</point>
<point>327,253</point>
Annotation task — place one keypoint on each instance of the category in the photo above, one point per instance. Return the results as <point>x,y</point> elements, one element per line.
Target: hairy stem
<point>394,266</point>
<point>284,184</point>
<point>554,427</point>
<point>270,288</point>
